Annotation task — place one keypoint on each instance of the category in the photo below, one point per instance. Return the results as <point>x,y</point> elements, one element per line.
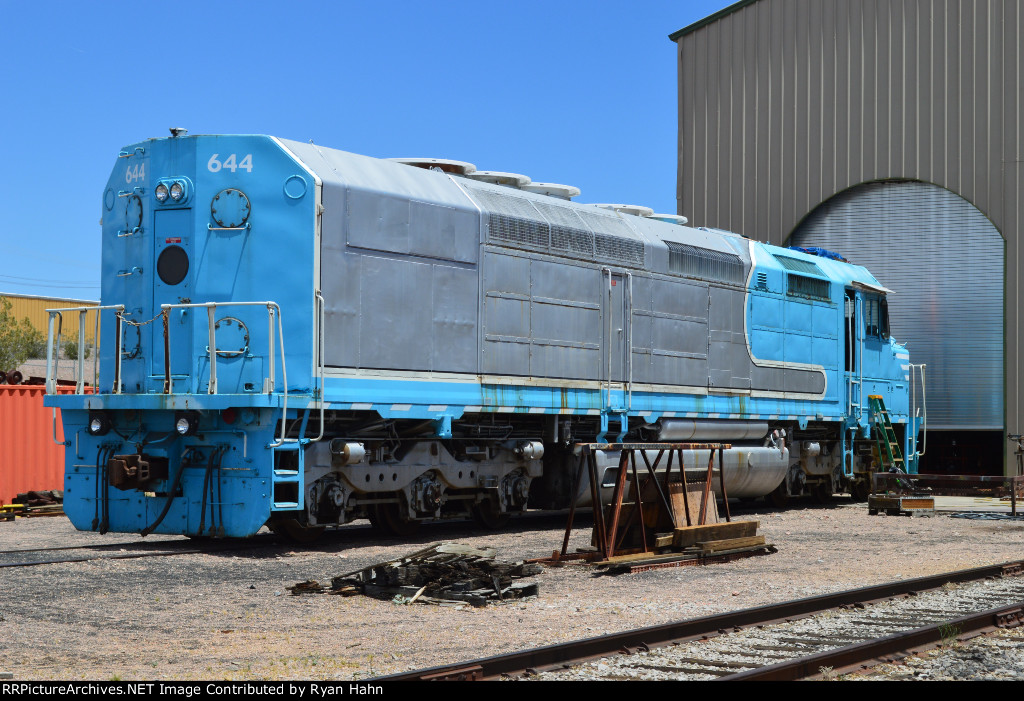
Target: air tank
<point>750,471</point>
<point>677,430</point>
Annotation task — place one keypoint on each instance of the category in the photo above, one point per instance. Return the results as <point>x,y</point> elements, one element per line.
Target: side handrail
<point>628,343</point>
<point>318,339</point>
<point>917,410</point>
<point>56,322</point>
<point>608,338</point>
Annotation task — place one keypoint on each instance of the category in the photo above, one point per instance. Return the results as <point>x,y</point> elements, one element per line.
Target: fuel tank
<point>750,471</point>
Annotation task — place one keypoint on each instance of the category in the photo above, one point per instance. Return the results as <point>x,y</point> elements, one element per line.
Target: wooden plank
<point>646,558</point>
<point>878,501</point>
<point>695,494</point>
<point>663,540</point>
<point>637,556</point>
<point>694,499</point>
<point>675,497</point>
<point>731,543</point>
<point>692,535</point>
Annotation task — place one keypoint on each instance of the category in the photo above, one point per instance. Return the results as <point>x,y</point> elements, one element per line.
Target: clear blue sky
<point>581,93</point>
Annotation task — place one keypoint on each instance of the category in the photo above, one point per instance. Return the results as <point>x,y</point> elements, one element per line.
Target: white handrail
<point>273,309</point>
<point>52,356</point>
<point>629,345</point>
<point>917,411</point>
<point>318,339</point>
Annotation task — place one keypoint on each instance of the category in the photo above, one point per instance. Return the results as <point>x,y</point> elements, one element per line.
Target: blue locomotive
<point>296,336</point>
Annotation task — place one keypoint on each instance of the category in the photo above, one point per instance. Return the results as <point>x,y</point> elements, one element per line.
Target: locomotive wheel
<point>385,517</point>
<point>822,493</point>
<point>779,497</point>
<point>860,490</point>
<point>295,531</point>
<point>488,516</point>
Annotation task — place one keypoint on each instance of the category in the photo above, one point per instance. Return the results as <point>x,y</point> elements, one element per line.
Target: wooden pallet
<point>691,535</point>
<point>900,506</point>
<point>631,564</point>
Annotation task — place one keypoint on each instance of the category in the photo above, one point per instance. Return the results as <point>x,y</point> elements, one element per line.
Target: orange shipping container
<point>29,459</point>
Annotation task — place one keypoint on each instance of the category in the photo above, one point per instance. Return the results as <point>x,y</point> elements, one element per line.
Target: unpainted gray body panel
<point>427,272</point>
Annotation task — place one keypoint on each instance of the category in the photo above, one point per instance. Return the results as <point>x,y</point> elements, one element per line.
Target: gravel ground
<point>228,615</point>
<point>766,645</point>
<point>995,657</point>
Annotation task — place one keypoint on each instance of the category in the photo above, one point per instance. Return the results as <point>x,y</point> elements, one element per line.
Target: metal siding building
<point>785,104</point>
<point>34,309</point>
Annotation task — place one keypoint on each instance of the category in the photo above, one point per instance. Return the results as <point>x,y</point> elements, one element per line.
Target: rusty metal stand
<point>605,533</point>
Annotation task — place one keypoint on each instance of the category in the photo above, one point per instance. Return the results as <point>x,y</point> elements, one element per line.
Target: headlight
<point>177,191</point>
<point>161,193</point>
<point>186,423</point>
<point>99,423</point>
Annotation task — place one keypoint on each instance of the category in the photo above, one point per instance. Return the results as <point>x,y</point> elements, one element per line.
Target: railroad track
<point>181,546</point>
<point>820,636</point>
<point>128,551</point>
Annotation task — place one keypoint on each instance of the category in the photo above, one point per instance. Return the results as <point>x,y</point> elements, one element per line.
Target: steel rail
<point>77,547</point>
<point>870,652</point>
<point>191,549</point>
<point>119,556</point>
<point>565,654</point>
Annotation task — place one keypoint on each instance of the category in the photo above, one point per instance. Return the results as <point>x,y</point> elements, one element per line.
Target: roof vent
<point>635,209</point>
<point>564,192</point>
<point>669,218</point>
<point>448,166</point>
<point>498,178</point>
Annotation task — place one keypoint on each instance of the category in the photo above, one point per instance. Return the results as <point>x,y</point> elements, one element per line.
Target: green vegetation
<point>71,350</point>
<point>949,632</point>
<point>18,340</point>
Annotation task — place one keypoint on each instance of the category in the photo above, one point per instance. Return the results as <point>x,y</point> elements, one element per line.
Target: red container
<point>29,459</point>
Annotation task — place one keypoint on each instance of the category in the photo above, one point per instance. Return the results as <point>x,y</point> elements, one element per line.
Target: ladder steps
<point>885,435</point>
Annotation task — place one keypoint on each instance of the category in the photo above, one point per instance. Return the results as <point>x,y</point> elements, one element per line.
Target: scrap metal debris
<point>310,586</point>
<point>35,503</point>
<point>440,573</point>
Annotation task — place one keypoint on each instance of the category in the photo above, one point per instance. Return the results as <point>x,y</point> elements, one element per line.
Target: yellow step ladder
<point>889,452</point>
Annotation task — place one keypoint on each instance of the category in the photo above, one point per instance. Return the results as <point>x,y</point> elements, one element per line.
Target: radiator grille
<point>618,249</point>
<point>799,266</point>
<point>526,232</point>
<point>800,286</point>
<point>563,231</point>
<point>704,263</point>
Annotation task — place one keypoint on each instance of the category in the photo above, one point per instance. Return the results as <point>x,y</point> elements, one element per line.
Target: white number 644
<point>231,163</point>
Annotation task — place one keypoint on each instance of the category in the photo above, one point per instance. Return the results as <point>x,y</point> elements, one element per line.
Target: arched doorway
<point>944,261</point>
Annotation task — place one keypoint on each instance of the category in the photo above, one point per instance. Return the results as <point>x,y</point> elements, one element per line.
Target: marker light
<point>161,193</point>
<point>177,191</point>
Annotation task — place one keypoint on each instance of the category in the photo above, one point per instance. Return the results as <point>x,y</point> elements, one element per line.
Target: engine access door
<point>173,284</point>
<point>616,327</point>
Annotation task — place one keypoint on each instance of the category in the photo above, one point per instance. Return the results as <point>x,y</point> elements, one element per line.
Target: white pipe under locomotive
<point>298,336</point>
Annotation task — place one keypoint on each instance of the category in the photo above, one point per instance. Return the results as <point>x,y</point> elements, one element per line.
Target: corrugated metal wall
<point>34,309</point>
<point>784,103</point>
<point>29,459</point>
<point>952,321</point>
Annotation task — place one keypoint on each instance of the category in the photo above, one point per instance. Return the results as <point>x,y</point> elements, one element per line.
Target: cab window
<point>876,317</point>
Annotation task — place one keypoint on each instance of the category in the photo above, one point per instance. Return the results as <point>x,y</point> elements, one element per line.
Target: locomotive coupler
<point>136,471</point>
